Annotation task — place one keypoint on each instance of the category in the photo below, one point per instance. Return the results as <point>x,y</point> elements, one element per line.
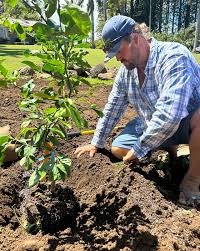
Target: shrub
<point>184,36</point>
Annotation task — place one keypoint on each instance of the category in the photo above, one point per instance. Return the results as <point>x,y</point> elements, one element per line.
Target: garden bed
<point>105,204</point>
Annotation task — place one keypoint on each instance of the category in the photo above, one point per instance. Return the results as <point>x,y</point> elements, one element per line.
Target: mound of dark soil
<point>10,186</point>
<point>48,211</point>
<point>104,204</point>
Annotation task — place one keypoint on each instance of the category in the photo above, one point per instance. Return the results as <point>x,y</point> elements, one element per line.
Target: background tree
<point>90,10</point>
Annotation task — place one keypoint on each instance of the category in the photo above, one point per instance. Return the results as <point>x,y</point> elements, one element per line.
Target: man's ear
<point>135,38</point>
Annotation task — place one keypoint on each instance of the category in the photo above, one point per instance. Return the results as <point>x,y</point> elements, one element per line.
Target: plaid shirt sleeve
<point>113,111</point>
<point>177,81</point>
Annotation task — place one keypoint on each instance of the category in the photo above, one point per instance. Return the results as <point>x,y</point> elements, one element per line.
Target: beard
<point>129,66</point>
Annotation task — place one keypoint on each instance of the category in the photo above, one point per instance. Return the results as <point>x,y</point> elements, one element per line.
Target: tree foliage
<point>167,15</point>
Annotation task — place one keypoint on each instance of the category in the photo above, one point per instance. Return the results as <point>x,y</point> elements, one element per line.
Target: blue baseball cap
<point>113,31</point>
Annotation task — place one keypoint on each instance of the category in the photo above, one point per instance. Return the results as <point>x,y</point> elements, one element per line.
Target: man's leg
<point>191,180</point>
<point>126,139</point>
<point>119,152</point>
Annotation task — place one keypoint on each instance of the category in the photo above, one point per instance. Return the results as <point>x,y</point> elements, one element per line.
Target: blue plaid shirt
<point>171,91</point>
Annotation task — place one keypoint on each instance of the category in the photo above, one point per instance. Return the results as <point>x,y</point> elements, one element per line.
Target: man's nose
<point>118,56</point>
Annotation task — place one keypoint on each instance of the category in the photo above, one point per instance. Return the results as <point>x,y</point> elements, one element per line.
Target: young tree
<point>51,110</point>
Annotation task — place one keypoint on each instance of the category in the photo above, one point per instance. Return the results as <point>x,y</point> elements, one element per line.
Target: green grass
<point>13,55</point>
<point>197,57</point>
<point>97,56</point>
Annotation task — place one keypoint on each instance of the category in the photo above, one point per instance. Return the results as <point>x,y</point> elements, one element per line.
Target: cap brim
<point>112,53</point>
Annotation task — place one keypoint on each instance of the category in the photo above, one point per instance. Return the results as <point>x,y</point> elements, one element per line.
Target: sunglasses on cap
<point>109,45</point>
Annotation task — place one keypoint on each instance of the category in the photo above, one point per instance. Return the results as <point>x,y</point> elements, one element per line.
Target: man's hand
<point>87,148</point>
<point>129,157</point>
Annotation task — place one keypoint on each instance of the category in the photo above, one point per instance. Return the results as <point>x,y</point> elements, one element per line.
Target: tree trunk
<point>180,15</point>
<point>167,17</point>
<point>196,9</point>
<point>132,8</point>
<point>160,16</point>
<point>197,32</point>
<point>92,34</point>
<point>187,14</point>
<point>173,16</point>
<point>105,9</point>
<point>150,14</point>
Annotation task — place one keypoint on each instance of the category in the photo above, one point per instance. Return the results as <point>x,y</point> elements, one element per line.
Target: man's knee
<point>119,152</point>
<point>195,120</point>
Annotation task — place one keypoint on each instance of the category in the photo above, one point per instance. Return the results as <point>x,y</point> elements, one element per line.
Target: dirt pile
<point>117,207</point>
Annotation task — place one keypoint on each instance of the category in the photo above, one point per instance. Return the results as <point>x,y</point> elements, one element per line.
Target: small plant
<point>52,111</point>
<point>7,78</point>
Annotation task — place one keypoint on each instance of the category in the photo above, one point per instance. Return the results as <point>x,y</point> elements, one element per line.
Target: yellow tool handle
<point>87,132</point>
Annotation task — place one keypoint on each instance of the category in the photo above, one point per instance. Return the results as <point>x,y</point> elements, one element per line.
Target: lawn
<point>13,55</point>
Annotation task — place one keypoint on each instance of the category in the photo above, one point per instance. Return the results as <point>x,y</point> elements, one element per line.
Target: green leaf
<point>25,123</point>
<point>52,5</point>
<point>76,20</point>
<point>22,161</point>
<point>40,28</point>
<point>86,82</point>
<point>62,168</point>
<point>27,88</point>
<point>76,117</point>
<point>34,178</point>
<point>56,130</point>
<point>62,112</point>
<point>12,3</point>
<point>27,53</point>
<point>53,140</point>
<point>29,150</point>
<point>32,65</point>
<point>99,113</point>
<point>50,110</point>
<point>54,66</point>
<point>65,123</point>
<point>38,136</point>
<point>27,162</point>
<point>58,174</point>
<point>43,170</point>
<point>3,70</point>
<point>19,30</point>
<point>4,139</point>
<point>27,105</point>
<point>44,96</point>
<point>7,23</point>
<point>65,163</point>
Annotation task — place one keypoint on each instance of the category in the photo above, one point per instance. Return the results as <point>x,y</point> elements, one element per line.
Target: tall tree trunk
<point>92,34</point>
<point>173,15</point>
<point>167,17</point>
<point>197,32</point>
<point>125,7</point>
<point>180,15</point>
<point>187,14</point>
<point>131,8</point>
<point>150,14</point>
<point>196,9</point>
<point>160,16</point>
<point>105,9</point>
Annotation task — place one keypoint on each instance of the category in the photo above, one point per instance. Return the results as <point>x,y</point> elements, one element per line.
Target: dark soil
<point>103,205</point>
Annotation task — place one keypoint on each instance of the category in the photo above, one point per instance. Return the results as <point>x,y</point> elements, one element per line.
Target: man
<point>161,80</point>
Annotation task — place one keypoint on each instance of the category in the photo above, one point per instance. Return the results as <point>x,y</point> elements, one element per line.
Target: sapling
<point>52,110</point>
